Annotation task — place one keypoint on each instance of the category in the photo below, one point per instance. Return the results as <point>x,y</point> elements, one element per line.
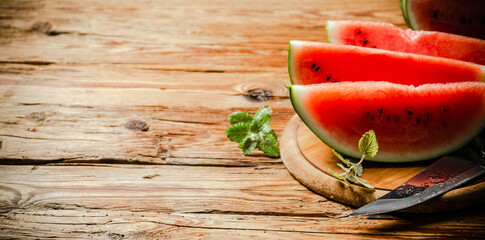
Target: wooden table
<point>113,113</point>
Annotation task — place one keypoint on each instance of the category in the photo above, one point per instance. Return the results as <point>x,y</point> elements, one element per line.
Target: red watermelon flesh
<point>318,62</point>
<point>411,123</point>
<point>389,37</point>
<point>462,17</point>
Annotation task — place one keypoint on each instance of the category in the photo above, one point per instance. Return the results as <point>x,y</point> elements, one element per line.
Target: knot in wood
<point>259,95</point>
<point>41,27</point>
<point>136,125</point>
<point>37,116</point>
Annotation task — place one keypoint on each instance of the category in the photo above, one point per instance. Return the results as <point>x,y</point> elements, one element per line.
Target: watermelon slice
<point>463,17</point>
<point>318,62</point>
<point>389,37</point>
<point>411,123</point>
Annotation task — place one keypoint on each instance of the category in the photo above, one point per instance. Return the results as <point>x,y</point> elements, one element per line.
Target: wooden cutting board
<point>308,159</point>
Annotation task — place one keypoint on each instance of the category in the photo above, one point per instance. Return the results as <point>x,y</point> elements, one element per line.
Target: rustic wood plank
<point>49,132</point>
<point>172,201</point>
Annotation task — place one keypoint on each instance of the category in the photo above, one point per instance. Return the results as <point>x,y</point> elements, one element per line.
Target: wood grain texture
<point>113,113</point>
<point>137,201</point>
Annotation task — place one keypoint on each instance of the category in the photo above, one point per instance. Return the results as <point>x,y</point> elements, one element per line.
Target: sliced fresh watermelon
<point>463,17</point>
<point>389,37</point>
<point>411,123</point>
<point>318,62</point>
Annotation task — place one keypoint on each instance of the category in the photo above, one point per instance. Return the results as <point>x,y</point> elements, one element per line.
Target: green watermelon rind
<point>289,62</point>
<point>329,27</point>
<point>299,107</point>
<point>405,13</point>
<point>314,126</point>
<point>291,49</point>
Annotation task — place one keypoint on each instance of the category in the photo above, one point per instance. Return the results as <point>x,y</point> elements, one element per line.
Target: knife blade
<point>442,176</point>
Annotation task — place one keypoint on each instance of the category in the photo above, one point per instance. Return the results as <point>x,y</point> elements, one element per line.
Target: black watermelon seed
<point>365,41</point>
<point>318,68</point>
<point>428,115</point>
<point>328,78</point>
<point>334,81</point>
<point>313,65</point>
<point>435,14</point>
<point>381,110</point>
<point>463,20</point>
<point>410,113</point>
<point>358,32</point>
<point>444,109</point>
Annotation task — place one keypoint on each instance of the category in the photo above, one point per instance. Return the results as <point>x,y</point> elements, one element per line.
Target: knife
<point>440,177</point>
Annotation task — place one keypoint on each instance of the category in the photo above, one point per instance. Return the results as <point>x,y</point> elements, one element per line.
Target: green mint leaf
<point>351,176</point>
<point>261,126</point>
<point>261,121</point>
<point>269,145</point>
<point>341,158</point>
<point>363,182</point>
<point>241,144</point>
<point>338,155</point>
<point>368,144</point>
<point>335,174</point>
<point>237,117</point>
<point>238,132</point>
<point>359,170</point>
<point>347,180</point>
<point>248,145</point>
<point>263,115</point>
<point>343,167</point>
<point>354,169</point>
<point>254,132</point>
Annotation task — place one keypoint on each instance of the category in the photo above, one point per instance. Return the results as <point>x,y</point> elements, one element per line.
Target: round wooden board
<point>308,159</point>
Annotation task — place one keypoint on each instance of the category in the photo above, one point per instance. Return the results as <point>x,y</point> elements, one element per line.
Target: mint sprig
<point>253,131</point>
<point>353,169</point>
